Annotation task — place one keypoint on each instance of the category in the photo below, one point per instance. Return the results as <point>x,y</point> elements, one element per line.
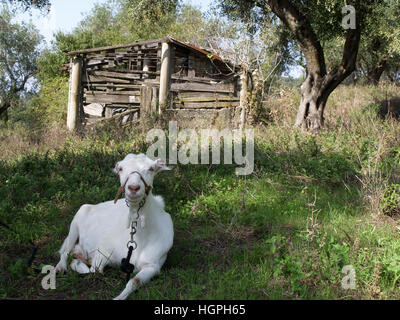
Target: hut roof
<point>180,43</point>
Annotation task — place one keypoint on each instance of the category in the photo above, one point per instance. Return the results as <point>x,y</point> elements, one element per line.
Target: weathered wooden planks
<point>124,74</point>
<point>111,98</point>
<point>208,99</point>
<point>190,94</point>
<point>128,93</point>
<point>210,105</point>
<point>228,88</point>
<point>118,75</point>
<point>194,79</point>
<point>99,79</point>
<point>120,86</point>
<point>112,48</point>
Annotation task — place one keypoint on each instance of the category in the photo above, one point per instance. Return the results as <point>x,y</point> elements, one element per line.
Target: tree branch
<point>348,63</point>
<point>22,85</point>
<point>302,30</point>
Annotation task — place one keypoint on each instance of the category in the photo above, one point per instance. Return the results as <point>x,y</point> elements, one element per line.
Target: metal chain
<point>126,266</point>
<point>133,232</point>
<point>134,223</point>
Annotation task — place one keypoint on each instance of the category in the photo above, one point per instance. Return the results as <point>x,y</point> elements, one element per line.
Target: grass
<point>312,205</point>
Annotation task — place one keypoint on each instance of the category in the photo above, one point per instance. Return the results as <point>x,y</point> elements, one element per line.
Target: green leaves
<point>390,203</point>
<point>380,45</point>
<point>19,50</point>
<point>25,5</point>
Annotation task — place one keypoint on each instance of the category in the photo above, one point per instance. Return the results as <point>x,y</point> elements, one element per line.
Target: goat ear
<point>116,168</point>
<point>159,165</point>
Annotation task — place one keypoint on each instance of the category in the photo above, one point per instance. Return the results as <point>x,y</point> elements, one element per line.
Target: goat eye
<point>151,169</point>
<point>120,169</point>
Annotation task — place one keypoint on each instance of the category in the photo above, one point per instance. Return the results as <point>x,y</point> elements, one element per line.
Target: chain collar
<point>126,266</point>
<point>134,223</point>
<point>141,204</point>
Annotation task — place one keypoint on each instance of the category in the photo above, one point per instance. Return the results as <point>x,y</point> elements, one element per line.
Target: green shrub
<point>50,107</point>
<point>390,203</point>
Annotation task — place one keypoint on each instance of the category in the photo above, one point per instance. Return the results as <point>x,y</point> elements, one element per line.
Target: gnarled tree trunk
<point>310,114</point>
<point>318,84</point>
<point>315,92</point>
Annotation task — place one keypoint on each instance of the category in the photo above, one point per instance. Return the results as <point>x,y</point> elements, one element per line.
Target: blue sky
<point>65,15</point>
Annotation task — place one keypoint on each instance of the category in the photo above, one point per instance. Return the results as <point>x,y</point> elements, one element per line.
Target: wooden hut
<point>163,76</point>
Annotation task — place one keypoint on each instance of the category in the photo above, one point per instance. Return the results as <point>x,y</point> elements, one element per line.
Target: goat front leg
<point>79,266</point>
<point>147,272</point>
<point>100,260</point>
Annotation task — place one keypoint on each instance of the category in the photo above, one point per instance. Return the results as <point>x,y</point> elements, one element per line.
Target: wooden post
<point>154,99</point>
<point>74,97</point>
<point>243,97</point>
<point>145,100</point>
<point>164,75</point>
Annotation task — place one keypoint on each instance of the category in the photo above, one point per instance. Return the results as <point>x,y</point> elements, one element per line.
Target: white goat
<point>99,233</point>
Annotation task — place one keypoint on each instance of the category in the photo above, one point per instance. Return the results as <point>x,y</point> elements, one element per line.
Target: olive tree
<point>19,50</point>
<point>380,43</point>
<point>311,24</point>
<point>25,5</point>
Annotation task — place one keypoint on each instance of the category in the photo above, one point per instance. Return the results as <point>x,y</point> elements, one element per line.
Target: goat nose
<point>134,188</point>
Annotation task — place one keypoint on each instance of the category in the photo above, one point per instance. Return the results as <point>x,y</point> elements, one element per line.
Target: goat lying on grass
<point>99,233</point>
